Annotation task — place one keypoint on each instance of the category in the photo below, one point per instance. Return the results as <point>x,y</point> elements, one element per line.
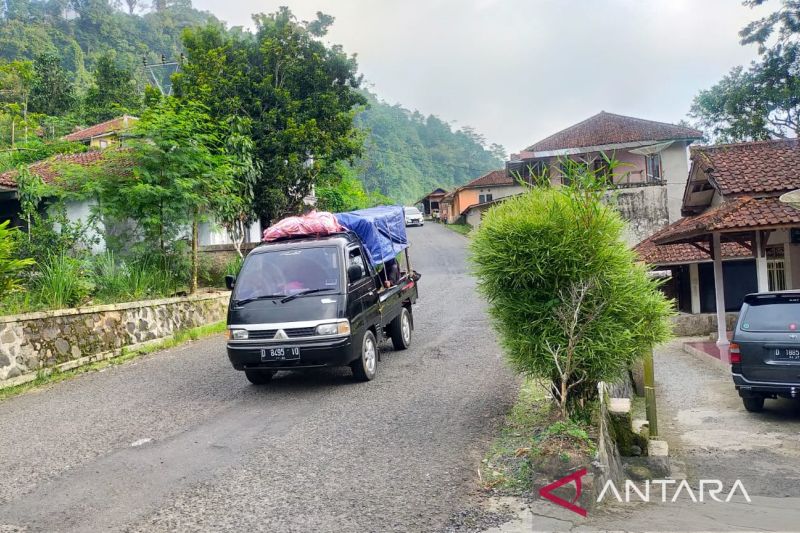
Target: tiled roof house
<point>485,189</point>
<point>733,190</point>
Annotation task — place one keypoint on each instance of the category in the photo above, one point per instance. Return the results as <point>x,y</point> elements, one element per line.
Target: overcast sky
<point>519,70</point>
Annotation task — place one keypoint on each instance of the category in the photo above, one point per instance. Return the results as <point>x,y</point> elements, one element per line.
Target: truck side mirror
<point>354,273</point>
<point>230,281</point>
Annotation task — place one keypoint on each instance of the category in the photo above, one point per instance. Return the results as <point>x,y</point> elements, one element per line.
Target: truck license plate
<point>280,353</point>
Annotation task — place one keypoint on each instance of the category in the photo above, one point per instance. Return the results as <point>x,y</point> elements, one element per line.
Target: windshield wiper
<point>256,298</point>
<point>303,293</point>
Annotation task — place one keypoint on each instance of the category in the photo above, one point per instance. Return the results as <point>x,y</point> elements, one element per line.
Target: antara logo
<point>707,488</point>
<point>547,492</point>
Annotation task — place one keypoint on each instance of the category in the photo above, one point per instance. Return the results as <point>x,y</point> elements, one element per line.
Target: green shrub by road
<point>568,298</point>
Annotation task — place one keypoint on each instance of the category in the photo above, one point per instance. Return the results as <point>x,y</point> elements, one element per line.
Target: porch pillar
<point>761,263</point>
<point>719,290</point>
<point>694,287</point>
<point>787,265</point>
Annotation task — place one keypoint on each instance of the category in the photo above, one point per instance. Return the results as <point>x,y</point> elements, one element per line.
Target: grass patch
<point>55,375</point>
<point>534,442</point>
<point>463,229</point>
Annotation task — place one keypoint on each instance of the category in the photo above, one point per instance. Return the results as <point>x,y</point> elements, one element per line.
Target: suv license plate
<point>786,354</point>
<point>280,353</point>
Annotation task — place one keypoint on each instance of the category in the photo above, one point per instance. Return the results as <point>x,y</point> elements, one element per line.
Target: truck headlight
<point>335,328</point>
<point>239,334</point>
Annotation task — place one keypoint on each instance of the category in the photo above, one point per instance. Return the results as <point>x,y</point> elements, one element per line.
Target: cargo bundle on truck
<point>323,290</point>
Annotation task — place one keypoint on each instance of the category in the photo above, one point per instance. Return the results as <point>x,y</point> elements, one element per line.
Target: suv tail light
<point>736,355</point>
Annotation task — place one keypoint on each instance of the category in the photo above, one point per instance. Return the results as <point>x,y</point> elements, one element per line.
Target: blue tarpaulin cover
<point>381,229</point>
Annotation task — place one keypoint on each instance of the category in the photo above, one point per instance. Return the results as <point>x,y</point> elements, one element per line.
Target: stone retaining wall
<point>688,325</point>
<point>36,341</point>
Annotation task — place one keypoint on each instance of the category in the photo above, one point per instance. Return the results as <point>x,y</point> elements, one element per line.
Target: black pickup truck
<point>312,302</point>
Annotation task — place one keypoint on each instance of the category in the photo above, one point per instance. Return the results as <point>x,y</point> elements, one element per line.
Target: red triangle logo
<point>547,492</point>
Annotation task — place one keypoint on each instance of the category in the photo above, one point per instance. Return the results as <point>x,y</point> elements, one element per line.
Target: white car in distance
<point>413,216</point>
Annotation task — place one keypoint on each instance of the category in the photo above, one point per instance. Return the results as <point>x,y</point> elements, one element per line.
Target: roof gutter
<point>600,148</point>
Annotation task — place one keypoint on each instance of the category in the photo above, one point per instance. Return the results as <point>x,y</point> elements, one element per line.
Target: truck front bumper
<point>312,355</point>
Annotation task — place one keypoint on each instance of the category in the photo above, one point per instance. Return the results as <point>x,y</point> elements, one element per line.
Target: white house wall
<point>81,212</point>
<point>675,170</point>
<point>212,234</point>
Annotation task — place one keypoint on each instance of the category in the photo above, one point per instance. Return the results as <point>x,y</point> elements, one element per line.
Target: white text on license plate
<point>280,354</point>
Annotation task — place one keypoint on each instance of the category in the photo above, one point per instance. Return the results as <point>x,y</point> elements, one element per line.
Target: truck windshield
<point>288,272</point>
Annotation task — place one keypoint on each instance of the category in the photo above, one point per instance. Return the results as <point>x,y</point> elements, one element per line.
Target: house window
<point>776,268</point>
<point>103,144</point>
<point>483,198</point>
<point>653,163</point>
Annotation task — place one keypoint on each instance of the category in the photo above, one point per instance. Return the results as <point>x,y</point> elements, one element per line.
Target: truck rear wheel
<point>259,377</point>
<point>366,366</point>
<point>400,330</point>
<point>753,404</point>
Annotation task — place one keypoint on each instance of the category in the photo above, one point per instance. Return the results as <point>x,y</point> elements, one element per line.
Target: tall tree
<point>16,81</point>
<point>176,173</point>
<point>112,93</point>
<point>52,92</point>
<point>297,93</point>
<point>786,20</point>
<point>763,100</point>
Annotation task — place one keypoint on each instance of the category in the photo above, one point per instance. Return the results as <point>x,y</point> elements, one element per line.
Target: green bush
<point>62,282</point>
<point>233,266</point>
<point>566,294</point>
<point>137,278</point>
<point>11,266</point>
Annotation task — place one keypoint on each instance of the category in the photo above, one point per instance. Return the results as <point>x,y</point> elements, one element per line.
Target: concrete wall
<point>474,216</point>
<point>645,209</point>
<point>35,341</point>
<point>675,170</point>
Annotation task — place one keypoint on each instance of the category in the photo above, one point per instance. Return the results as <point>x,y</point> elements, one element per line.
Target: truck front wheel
<point>400,330</point>
<point>366,366</point>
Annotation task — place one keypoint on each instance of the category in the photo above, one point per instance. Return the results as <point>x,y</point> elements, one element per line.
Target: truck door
<point>358,291</point>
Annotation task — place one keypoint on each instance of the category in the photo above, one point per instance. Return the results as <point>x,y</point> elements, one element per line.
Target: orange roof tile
<point>109,126</point>
<point>751,167</point>
<point>492,178</point>
<point>608,128</point>
<point>682,253</point>
<point>48,168</point>
<point>740,214</point>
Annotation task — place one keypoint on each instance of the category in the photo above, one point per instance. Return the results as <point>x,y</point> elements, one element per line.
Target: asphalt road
<point>178,440</point>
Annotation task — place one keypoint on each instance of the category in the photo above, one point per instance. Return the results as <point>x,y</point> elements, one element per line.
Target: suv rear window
<point>776,313</point>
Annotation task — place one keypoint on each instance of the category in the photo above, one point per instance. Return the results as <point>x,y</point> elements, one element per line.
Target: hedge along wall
<point>71,337</point>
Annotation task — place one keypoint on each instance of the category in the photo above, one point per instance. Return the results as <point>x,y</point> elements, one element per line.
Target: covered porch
<point>764,228</point>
